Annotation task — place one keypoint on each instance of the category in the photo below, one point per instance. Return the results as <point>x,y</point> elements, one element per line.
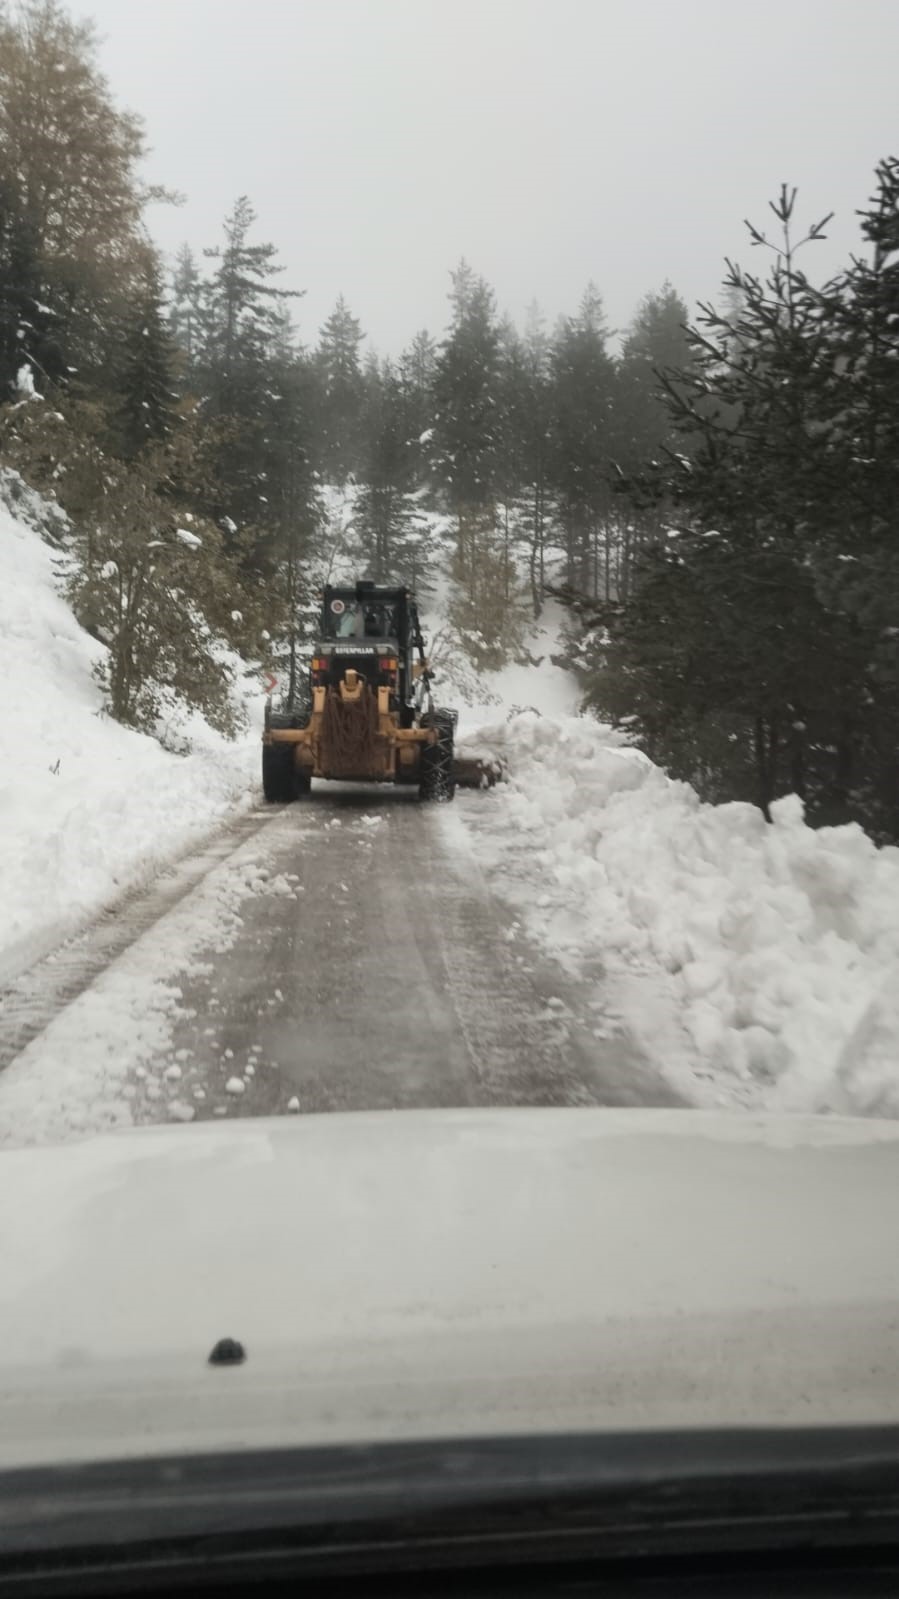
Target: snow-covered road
<point>588,932</point>
<point>345,954</point>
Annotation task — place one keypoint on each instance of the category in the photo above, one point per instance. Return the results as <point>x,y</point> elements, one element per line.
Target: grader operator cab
<point>366,713</point>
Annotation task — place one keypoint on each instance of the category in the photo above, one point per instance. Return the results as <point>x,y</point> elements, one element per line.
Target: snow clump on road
<point>757,964</point>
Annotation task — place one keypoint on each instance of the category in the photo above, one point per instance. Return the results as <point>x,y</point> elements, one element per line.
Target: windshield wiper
<point>624,1500</point>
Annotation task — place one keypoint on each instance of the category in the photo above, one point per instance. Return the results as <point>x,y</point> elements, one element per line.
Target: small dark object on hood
<point>228,1352</point>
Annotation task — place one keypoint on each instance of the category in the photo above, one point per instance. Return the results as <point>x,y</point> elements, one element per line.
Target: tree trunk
<point>797,762</point>
<point>765,746</point>
<point>506,563</point>
<point>845,760</point>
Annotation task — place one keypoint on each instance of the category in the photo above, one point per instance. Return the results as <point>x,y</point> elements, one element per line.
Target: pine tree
<point>728,641</point>
<point>583,399</point>
<point>486,608</point>
<point>149,586</point>
<point>392,532</point>
<point>416,369</point>
<point>862,312</point>
<point>242,331</point>
<point>511,431</point>
<point>525,431</point>
<point>466,384</point>
<point>147,405</point>
<point>153,582</point>
<point>856,555</point>
<point>68,170</point>
<point>245,314</point>
<point>28,327</point>
<point>656,343</point>
<point>342,394</point>
<point>186,314</point>
<point>295,514</point>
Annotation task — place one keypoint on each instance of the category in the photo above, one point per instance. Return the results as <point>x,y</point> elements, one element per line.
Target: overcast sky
<point>548,141</point>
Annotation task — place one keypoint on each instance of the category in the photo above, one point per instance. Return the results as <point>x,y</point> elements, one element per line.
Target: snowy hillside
<point>87,807</point>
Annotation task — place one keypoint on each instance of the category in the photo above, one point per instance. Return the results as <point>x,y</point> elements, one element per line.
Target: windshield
<point>357,619</point>
<point>449,795</point>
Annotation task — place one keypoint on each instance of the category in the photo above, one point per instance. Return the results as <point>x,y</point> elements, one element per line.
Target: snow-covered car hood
<point>431,1273</point>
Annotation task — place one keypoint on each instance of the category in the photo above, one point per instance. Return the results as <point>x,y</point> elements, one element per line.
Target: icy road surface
<point>340,954</point>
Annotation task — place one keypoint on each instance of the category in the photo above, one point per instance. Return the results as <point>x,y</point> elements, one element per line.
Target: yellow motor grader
<point>366,713</point>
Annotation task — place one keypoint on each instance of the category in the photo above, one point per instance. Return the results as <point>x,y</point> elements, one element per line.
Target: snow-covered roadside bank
<point>756,965</point>
<point>107,1060</point>
<point>88,808</point>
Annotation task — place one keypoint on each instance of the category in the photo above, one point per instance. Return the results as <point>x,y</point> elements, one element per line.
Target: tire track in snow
<point>30,1003</point>
<point>533,1042</point>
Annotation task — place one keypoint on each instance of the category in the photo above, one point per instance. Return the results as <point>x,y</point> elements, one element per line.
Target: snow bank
<point>759,963</point>
<point>87,807</point>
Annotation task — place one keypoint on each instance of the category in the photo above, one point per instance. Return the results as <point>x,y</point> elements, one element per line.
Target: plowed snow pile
<point>757,964</point>
<point>87,807</point>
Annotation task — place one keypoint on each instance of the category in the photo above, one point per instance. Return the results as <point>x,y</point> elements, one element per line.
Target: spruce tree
<point>295,514</point>
<point>342,394</point>
<point>242,330</point>
<point>28,327</point>
<point>525,429</point>
<point>245,309</point>
<point>511,429</point>
<point>466,423</point>
<point>186,312</point>
<point>392,532</point>
<point>69,168</point>
<point>583,401</point>
<point>466,392</point>
<point>416,368</point>
<point>656,343</point>
<point>728,642</point>
<point>146,412</point>
<point>856,556</point>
